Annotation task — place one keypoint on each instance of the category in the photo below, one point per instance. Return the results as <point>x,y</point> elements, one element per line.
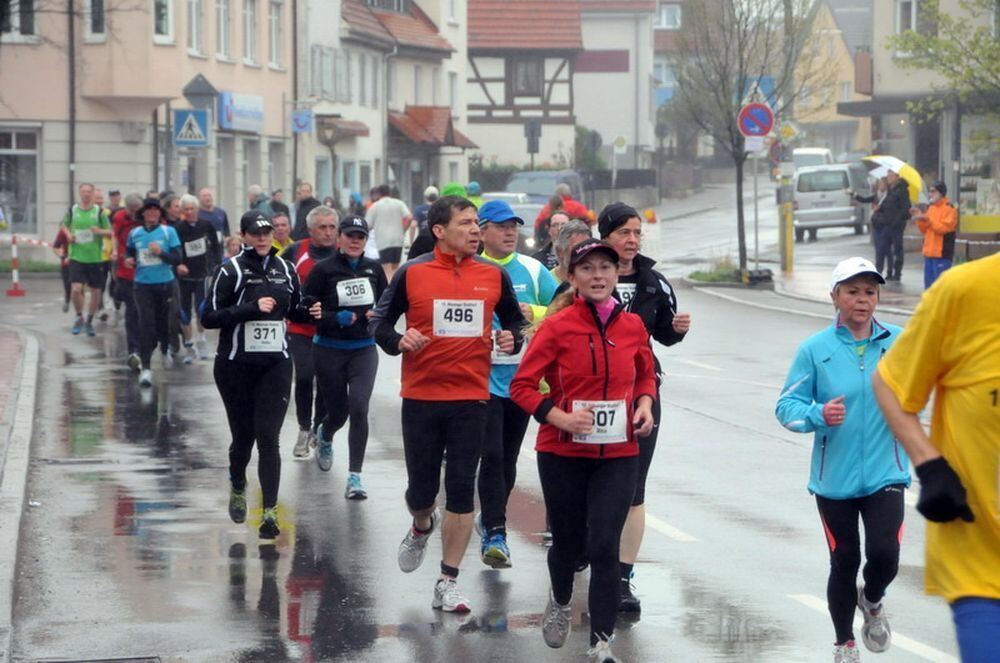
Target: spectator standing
<point>895,212</point>
<point>305,202</point>
<point>278,203</point>
<point>938,225</point>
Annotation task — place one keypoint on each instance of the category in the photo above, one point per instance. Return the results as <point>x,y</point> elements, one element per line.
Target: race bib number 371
<point>461,318</point>
<point>264,336</point>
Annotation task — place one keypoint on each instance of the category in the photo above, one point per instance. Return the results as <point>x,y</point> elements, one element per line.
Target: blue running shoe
<point>77,326</point>
<point>494,551</point>
<point>355,490</point>
<point>324,451</point>
<point>89,328</point>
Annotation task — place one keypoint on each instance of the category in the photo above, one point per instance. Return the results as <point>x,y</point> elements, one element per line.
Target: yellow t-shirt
<point>952,344</point>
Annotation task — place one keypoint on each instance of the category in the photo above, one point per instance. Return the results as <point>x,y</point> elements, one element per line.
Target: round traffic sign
<point>755,119</point>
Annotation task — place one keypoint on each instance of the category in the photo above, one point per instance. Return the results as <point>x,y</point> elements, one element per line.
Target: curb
<point>13,481</point>
<point>760,287</point>
<point>767,307</point>
<point>779,289</point>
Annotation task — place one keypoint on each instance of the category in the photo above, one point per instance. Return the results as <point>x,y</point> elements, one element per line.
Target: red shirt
<point>574,208</point>
<point>121,225</point>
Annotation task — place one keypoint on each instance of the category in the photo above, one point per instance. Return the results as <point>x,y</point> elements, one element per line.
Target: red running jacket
<point>581,361</point>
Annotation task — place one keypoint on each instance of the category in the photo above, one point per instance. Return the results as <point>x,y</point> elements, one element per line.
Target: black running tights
<point>346,379</point>
<point>505,427</point>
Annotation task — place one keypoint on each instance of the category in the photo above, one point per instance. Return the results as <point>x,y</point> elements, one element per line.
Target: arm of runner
<point>508,310</point>
<point>391,306</point>
<point>664,330</point>
<point>797,409</point>
<point>541,353</point>
<point>221,309</point>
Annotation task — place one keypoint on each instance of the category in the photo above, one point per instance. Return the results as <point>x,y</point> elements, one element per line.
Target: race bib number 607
<point>610,422</point>
<point>461,318</point>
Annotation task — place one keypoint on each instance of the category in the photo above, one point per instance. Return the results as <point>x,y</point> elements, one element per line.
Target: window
<point>163,21</point>
<point>804,97</point>
<point>452,13</point>
<point>391,87</point>
<point>362,79</point>
<point>906,15</point>
<point>527,78</point>
<point>223,37</point>
<point>392,5</point>
<point>846,91</point>
<point>342,90</point>
<point>195,26</point>
<point>250,31</point>
<point>17,17</point>
<point>827,95</point>
<point>452,171</point>
<point>95,21</point>
<point>418,75</point>
<point>832,180</point>
<point>435,75</point>
<point>366,177</point>
<point>19,180</point>
<point>376,79</point>
<point>348,174</point>
<point>453,92</point>
<point>274,32</point>
<point>669,16</point>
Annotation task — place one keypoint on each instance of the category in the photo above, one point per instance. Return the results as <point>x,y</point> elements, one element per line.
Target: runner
<point>449,297</point>
<point>506,423</point>
<point>321,225</point>
<point>123,222</point>
<point>571,234</point>
<point>107,248</point>
<point>596,358</point>
<point>547,254</point>
<point>214,215</point>
<point>199,247</point>
<point>645,292</point>
<point>388,218</point>
<point>347,285</point>
<point>282,230</point>
<point>952,346</point>
<point>250,298</point>
<point>857,466</point>
<point>60,247</point>
<point>151,249</point>
<point>86,226</point>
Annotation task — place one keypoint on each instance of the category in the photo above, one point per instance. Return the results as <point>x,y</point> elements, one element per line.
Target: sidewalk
<point>711,197</point>
<point>812,283</point>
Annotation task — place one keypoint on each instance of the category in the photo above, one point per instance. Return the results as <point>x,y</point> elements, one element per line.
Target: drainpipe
<point>385,120</point>
<point>156,148</point>
<point>295,95</point>
<point>71,61</point>
<point>635,106</point>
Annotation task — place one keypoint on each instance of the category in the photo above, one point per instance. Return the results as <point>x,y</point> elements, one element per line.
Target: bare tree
<point>727,48</point>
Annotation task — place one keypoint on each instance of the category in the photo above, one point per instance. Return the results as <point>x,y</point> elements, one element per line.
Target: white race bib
<point>195,248</point>
<point>355,292</point>
<point>503,359</point>
<point>627,293</point>
<point>148,259</point>
<point>264,335</point>
<point>462,318</point>
<point>610,422</point>
<point>84,236</point>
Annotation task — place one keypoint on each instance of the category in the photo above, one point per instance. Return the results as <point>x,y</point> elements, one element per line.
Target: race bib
<point>626,291</point>
<point>148,259</point>
<point>264,335</point>
<point>84,236</point>
<point>610,422</point>
<point>462,318</point>
<point>355,292</point>
<point>502,359</point>
<point>195,248</point>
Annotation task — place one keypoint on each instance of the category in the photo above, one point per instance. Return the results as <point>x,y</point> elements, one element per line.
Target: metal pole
<point>756,218</point>
<point>168,166</point>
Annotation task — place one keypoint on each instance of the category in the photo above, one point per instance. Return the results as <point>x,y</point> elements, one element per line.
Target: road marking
<point>697,364</point>
<point>668,530</point>
<point>767,307</point>
<point>899,640</point>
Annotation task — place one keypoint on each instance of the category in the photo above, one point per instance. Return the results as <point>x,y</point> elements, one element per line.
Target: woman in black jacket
<point>347,286</point>
<point>645,292</point>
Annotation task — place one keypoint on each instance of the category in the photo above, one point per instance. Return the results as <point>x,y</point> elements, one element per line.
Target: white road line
<point>925,652</point>
<point>697,364</point>
<point>668,530</point>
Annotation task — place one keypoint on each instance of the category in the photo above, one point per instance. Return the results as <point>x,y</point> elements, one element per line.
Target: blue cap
<point>473,188</point>
<point>497,211</point>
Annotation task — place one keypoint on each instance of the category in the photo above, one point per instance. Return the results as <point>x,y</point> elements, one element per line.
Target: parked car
<point>811,156</point>
<point>541,184</point>
<point>852,156</point>
<point>526,242</point>
<point>820,198</point>
<point>512,197</point>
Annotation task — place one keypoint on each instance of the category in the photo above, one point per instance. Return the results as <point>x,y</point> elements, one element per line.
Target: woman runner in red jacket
<point>598,363</point>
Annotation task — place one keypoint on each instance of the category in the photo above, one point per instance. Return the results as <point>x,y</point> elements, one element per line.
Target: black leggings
<point>256,400</point>
<point>346,379</point>
<point>505,427</point>
<point>301,348</point>
<point>430,428</point>
<point>587,509</point>
<point>898,252</point>
<point>124,294</point>
<point>882,514</point>
<point>647,445</point>
<point>67,286</point>
<point>154,302</point>
<point>192,294</point>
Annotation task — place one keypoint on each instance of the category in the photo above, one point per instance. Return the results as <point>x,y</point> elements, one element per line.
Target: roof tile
<point>413,29</point>
<point>524,24</point>
<point>429,124</point>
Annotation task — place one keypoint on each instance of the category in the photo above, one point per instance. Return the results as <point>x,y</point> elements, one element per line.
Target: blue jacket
<point>859,457</point>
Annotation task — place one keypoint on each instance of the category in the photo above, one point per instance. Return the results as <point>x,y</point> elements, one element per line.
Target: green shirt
<point>81,222</point>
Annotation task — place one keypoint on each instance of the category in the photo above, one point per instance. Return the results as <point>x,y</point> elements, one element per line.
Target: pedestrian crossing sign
<point>191,128</point>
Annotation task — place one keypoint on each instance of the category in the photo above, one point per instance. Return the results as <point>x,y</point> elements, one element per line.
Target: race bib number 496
<point>610,422</point>
<point>264,336</point>
<point>462,318</point>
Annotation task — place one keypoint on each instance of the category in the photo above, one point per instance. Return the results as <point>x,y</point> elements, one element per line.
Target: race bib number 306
<point>610,422</point>
<point>355,292</point>
<point>264,336</point>
<point>462,318</point>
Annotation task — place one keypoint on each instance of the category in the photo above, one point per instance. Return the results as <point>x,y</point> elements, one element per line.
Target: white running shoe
<point>168,359</point>
<point>414,545</point>
<point>190,355</point>
<point>846,653</point>
<point>447,597</point>
<point>556,623</point>
<point>601,652</point>
<point>146,378</point>
<point>875,632</point>
<point>301,449</point>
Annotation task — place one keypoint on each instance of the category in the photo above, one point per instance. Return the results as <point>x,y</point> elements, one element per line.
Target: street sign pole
<point>756,218</point>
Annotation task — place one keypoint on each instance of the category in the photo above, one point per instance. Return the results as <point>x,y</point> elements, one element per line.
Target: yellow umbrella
<point>878,165</point>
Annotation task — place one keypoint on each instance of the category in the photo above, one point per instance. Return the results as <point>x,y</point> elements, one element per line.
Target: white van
<point>811,156</point>
<point>820,198</point>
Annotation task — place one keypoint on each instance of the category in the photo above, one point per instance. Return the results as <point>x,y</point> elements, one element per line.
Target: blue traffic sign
<point>303,122</point>
<point>755,120</point>
<point>191,128</point>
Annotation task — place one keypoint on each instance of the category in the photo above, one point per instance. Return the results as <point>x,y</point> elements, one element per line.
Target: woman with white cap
<point>858,468</point>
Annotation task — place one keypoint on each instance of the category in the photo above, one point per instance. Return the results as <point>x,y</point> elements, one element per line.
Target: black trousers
<point>256,400</point>
<point>587,507</point>
<point>154,303</point>
<point>346,379</point>
<point>67,286</point>
<point>301,349</point>
<point>882,515</point>
<point>124,293</point>
<point>647,445</point>
<point>897,250</point>
<point>506,424</point>
<point>882,235</point>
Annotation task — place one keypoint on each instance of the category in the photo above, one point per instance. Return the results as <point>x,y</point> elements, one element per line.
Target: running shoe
<point>324,452</point>
<point>103,317</point>
<point>448,598</point>
<point>78,326</point>
<point>88,328</point>
<point>168,359</point>
<point>65,307</point>
<point>146,378</point>
<point>269,524</point>
<point>494,551</point>
<point>237,505</point>
<point>478,524</point>
<point>875,632</point>
<point>301,449</point>
<point>414,545</point>
<point>628,601</point>
<point>134,362</point>
<point>601,652</point>
<point>201,345</point>
<point>556,623</point>
<point>355,490</point>
<point>191,353</point>
<point>846,653</point>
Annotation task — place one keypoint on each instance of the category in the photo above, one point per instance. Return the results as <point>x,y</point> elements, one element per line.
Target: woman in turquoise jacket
<point>858,468</point>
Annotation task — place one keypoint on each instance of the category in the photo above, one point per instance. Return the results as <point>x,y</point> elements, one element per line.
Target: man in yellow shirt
<point>952,345</point>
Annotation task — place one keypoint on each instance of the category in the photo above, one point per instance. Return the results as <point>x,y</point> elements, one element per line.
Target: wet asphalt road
<point>127,550</point>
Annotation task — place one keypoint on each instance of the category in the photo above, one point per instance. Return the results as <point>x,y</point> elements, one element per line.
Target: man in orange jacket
<point>938,225</point>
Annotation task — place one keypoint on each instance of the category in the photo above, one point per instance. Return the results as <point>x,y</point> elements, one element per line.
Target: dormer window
<point>398,6</point>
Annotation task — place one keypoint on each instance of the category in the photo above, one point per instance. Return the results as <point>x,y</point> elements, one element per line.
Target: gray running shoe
<point>556,623</point>
<point>875,632</point>
<point>134,362</point>
<point>237,505</point>
<point>447,597</point>
<point>846,653</point>
<point>146,378</point>
<point>414,545</point>
<point>168,359</point>
<point>301,449</point>
<point>601,652</point>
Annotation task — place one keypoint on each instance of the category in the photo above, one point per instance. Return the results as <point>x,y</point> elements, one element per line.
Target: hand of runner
<point>316,310</point>
<point>182,270</point>
<point>578,422</point>
<point>643,420</point>
<point>70,238</point>
<point>527,312</point>
<point>942,495</point>
<point>834,411</point>
<point>154,248</point>
<point>130,263</point>
<point>266,304</point>
<point>505,341</point>
<point>369,313</point>
<point>682,323</point>
<point>412,341</point>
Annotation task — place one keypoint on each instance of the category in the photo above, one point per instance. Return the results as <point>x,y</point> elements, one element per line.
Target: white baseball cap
<point>430,191</point>
<point>848,269</point>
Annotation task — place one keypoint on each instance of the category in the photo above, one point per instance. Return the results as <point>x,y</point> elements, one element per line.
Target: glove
<point>942,495</point>
<point>345,318</point>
